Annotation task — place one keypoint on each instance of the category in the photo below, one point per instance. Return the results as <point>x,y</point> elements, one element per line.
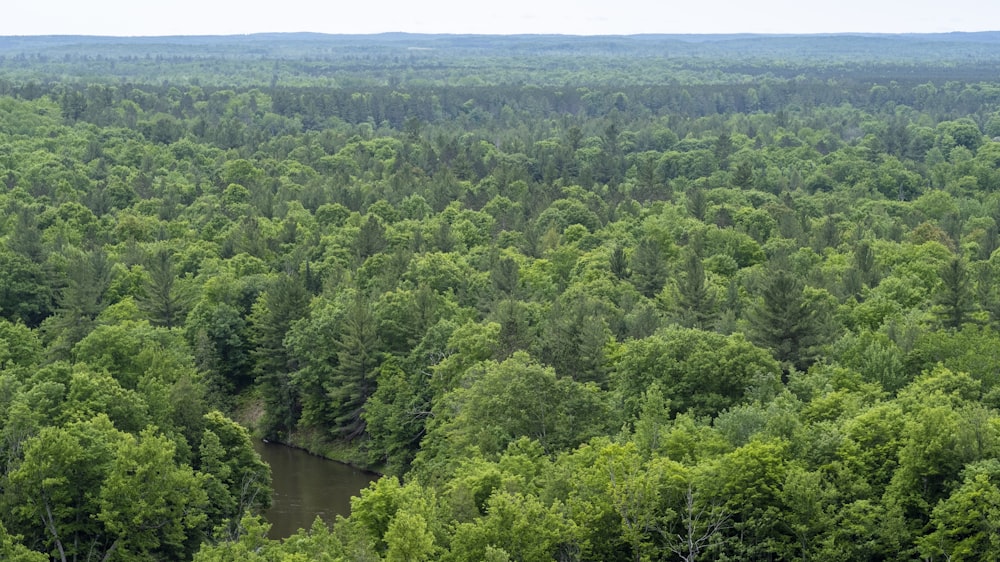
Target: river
<point>306,486</point>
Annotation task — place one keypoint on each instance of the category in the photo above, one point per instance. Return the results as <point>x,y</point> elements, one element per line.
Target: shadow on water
<point>306,486</point>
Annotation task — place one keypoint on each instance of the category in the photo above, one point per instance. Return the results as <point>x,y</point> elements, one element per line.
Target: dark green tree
<point>24,295</point>
<point>516,331</point>
<point>354,377</point>
<point>163,300</point>
<point>955,296</point>
<point>787,322</point>
<point>619,263</point>
<point>696,203</point>
<point>505,276</point>
<point>26,239</point>
<point>649,267</point>
<point>285,302</point>
<point>743,176</point>
<point>83,298</point>
<point>371,238</point>
<point>864,269</point>
<point>696,301</point>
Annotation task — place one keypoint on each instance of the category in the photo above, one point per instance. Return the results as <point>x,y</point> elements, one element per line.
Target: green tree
<point>371,238</point>
<point>353,379</point>
<point>516,527</point>
<point>217,331</point>
<point>649,267</point>
<point>83,298</point>
<point>19,346</point>
<point>395,415</point>
<point>163,300</point>
<point>24,295</point>
<point>152,506</point>
<point>408,539</point>
<point>697,204</point>
<point>700,371</point>
<point>786,320</point>
<point>505,276</point>
<point>512,399</point>
<point>696,301</point>
<point>58,488</point>
<point>747,483</point>
<point>12,550</point>
<point>275,311</point>
<point>237,481</point>
<point>955,295</point>
<point>619,263</point>
<point>965,526</point>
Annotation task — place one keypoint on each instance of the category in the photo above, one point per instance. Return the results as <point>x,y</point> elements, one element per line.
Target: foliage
<point>627,298</point>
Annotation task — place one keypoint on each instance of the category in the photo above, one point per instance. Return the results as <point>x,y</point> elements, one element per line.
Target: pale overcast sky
<point>582,17</point>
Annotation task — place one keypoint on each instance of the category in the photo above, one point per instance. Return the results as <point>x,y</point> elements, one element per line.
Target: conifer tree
<point>83,298</point>
<point>786,322</point>
<point>273,314</point>
<point>696,203</point>
<point>649,267</point>
<point>505,276</point>
<point>955,294</point>
<point>696,301</point>
<point>371,238</point>
<point>358,359</point>
<point>619,263</point>
<point>163,301</point>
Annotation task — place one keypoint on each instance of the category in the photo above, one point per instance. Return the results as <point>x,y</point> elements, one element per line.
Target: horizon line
<point>512,34</point>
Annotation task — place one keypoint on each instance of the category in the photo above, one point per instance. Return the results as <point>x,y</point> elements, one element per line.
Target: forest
<point>576,298</point>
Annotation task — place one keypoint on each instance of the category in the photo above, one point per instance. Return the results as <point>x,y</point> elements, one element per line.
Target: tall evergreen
<point>787,322</point>
<point>83,298</point>
<point>162,300</point>
<point>515,329</point>
<point>955,295</point>
<point>696,301</point>
<point>619,263</point>
<point>371,238</point>
<point>697,204</point>
<point>649,267</point>
<point>864,262</point>
<point>505,276</point>
<point>273,314</point>
<point>358,359</point>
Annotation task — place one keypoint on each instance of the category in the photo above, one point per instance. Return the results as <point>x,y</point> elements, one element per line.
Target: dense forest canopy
<point>608,298</point>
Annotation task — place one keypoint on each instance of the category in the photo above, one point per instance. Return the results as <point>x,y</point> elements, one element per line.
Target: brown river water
<point>306,486</point>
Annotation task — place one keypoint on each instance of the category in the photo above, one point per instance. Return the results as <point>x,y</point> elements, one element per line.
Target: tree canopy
<point>620,298</point>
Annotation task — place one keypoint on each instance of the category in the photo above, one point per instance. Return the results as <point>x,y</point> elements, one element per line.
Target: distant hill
<point>940,46</point>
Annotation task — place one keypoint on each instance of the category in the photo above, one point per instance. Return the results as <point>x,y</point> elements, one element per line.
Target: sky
<point>580,17</point>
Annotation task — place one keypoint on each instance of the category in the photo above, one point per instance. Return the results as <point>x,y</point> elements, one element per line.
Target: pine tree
<point>955,294</point>
<point>619,263</point>
<point>864,260</point>
<point>371,238</point>
<point>273,314</point>
<point>26,238</point>
<point>743,176</point>
<point>505,276</point>
<point>358,360</point>
<point>162,300</point>
<point>786,322</point>
<point>89,276</point>
<point>515,329</point>
<point>696,203</point>
<point>696,301</point>
<point>649,267</point>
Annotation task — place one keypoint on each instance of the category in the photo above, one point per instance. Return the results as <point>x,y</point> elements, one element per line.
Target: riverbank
<point>249,412</point>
